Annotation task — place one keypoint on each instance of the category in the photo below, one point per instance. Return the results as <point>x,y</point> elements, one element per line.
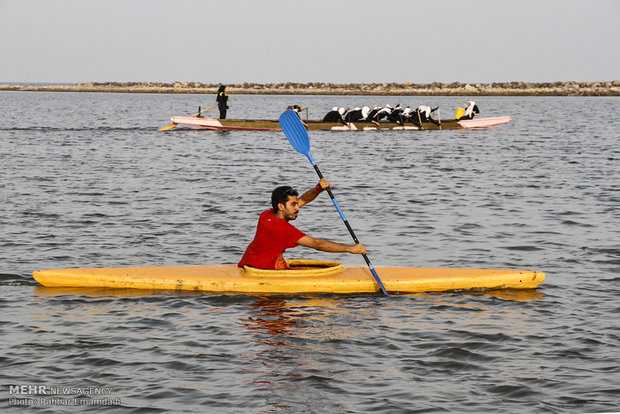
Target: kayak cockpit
<point>297,269</point>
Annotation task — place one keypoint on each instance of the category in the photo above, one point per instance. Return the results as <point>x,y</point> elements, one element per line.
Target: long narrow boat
<point>304,276</point>
<point>314,125</point>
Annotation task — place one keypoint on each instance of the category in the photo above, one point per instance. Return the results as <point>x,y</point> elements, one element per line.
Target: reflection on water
<point>95,292</point>
<point>273,325</point>
<point>504,294</point>
<point>38,290</point>
<point>270,316</point>
<point>302,345</point>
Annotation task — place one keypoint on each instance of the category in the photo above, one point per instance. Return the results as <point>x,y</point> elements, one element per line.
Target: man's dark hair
<point>280,195</point>
<point>221,88</point>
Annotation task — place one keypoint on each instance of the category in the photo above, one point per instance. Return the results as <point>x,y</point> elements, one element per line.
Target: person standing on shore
<point>222,101</point>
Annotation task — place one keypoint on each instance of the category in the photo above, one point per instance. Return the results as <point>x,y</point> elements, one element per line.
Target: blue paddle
<point>298,137</point>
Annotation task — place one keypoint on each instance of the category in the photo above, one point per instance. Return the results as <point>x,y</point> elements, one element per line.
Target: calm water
<point>87,181</point>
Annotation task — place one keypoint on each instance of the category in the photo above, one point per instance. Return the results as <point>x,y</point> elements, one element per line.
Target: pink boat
<point>314,125</point>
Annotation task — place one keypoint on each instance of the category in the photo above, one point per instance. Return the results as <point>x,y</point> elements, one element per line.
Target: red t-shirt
<point>273,236</point>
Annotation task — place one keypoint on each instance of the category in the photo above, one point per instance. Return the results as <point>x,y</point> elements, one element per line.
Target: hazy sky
<point>338,41</point>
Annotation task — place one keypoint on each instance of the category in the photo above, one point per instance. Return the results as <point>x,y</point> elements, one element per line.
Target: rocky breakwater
<point>604,88</point>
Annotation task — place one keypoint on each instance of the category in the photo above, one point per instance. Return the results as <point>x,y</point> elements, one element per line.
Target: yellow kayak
<point>304,276</point>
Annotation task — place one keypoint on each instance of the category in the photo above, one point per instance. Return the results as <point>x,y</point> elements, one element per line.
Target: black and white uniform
<point>471,110</point>
<point>354,115</point>
<point>382,113</point>
<point>396,115</point>
<point>425,114</point>
<point>333,116</point>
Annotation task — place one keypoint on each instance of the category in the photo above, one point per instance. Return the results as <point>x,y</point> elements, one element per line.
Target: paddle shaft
<point>297,135</point>
<point>205,110</point>
<point>346,223</point>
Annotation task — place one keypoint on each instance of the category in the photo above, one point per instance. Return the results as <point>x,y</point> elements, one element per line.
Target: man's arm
<point>311,194</point>
<point>329,246</point>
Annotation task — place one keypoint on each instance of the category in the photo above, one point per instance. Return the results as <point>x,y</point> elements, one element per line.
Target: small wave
<point>459,354</point>
<point>77,129</point>
<point>522,248</point>
<point>8,279</point>
<point>510,391</point>
<point>575,223</point>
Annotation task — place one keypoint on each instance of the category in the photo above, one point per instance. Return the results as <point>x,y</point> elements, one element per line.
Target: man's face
<point>289,210</point>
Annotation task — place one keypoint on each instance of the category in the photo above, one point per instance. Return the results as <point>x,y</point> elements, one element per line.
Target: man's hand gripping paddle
<point>298,137</point>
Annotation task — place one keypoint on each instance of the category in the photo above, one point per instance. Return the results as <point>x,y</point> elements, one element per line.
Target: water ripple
<point>108,190</point>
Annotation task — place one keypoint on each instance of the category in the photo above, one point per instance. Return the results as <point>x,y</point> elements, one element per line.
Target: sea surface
<point>87,181</point>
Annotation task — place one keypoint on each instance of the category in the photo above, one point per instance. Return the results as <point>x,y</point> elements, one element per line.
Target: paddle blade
<point>295,132</point>
<point>167,127</point>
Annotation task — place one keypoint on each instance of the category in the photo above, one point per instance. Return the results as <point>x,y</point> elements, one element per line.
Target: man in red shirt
<point>274,233</point>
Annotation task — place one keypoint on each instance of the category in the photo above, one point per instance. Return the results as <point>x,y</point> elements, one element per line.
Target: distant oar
<point>172,125</point>
<point>299,139</point>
